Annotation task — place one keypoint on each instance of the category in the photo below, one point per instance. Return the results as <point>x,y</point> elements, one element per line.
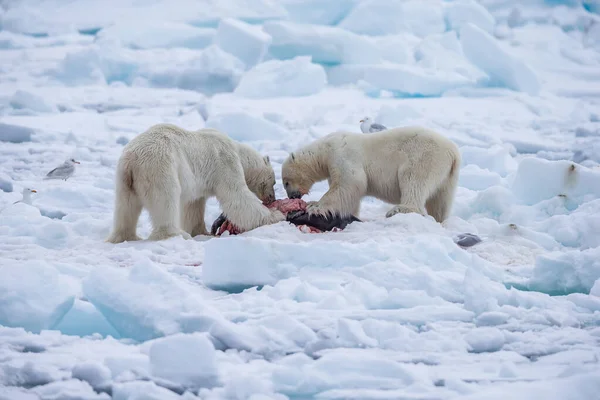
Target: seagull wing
<point>377,127</point>
<point>51,172</point>
<point>60,171</point>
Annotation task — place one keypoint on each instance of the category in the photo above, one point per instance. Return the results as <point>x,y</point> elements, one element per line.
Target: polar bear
<point>414,168</point>
<point>172,172</point>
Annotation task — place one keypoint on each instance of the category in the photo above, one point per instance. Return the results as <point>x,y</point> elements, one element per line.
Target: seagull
<point>26,196</point>
<point>367,127</point>
<point>63,171</point>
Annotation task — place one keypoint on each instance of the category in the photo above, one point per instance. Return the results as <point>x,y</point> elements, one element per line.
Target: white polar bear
<point>172,172</point>
<point>412,167</point>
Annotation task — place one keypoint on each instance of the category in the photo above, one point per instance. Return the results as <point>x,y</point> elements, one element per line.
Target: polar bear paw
<point>121,237</point>
<point>199,230</point>
<point>276,216</point>
<point>316,208</point>
<point>403,209</point>
<point>166,233</point>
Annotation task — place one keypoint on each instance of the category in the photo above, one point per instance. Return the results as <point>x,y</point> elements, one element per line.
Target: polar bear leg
<point>163,204</point>
<point>240,205</point>
<point>128,208</point>
<point>439,204</point>
<point>337,202</point>
<point>416,186</point>
<point>430,187</point>
<point>346,190</point>
<point>193,217</point>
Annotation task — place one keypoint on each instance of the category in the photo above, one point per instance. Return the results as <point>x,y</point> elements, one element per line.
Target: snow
<point>275,78</point>
<point>317,11</point>
<point>248,43</point>
<point>6,184</point>
<point>573,271</point>
<point>232,273</point>
<point>387,308</point>
<point>503,68</point>
<point>29,101</point>
<point>461,12</point>
<point>580,386</point>
<point>120,298</point>
<point>447,47</point>
<point>148,34</point>
<point>560,177</point>
<point>211,70</point>
<point>52,16</point>
<point>97,375</point>
<point>485,340</point>
<point>35,295</point>
<point>325,44</point>
<point>14,133</point>
<point>244,126</point>
<point>380,17</point>
<point>70,389</point>
<point>411,80</point>
<point>84,319</point>
<point>187,360</point>
<point>496,158</point>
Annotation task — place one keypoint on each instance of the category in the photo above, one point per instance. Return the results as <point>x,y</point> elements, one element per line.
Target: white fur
<point>172,172</point>
<point>414,168</point>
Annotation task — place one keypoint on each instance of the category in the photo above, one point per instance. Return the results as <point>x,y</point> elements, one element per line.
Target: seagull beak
<point>362,120</point>
<point>77,162</point>
<point>33,191</point>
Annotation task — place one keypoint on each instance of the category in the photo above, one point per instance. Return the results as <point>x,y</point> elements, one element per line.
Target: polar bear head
<point>258,173</point>
<point>299,173</point>
<point>261,180</point>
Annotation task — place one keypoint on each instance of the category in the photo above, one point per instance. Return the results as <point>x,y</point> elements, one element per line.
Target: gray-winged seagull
<point>366,126</point>
<point>63,171</point>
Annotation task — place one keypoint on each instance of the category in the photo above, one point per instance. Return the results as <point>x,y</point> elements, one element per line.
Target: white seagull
<point>63,171</point>
<point>366,126</point>
<point>26,196</point>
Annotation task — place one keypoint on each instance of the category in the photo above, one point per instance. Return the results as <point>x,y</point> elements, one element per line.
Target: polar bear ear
<point>292,156</point>
<point>267,160</point>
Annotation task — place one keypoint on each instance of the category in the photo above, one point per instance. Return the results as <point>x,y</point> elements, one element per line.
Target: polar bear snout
<point>266,193</point>
<point>269,198</point>
<point>294,194</point>
<point>293,190</point>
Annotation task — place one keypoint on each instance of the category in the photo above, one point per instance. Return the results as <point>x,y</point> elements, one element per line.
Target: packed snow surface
<point>388,308</point>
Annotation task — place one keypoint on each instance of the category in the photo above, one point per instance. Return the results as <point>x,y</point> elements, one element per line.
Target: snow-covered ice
<point>503,68</point>
<point>34,296</point>
<point>244,126</point>
<point>461,12</point>
<point>15,133</point>
<point>5,183</point>
<point>381,17</point>
<point>325,44</point>
<point>247,42</point>
<point>385,309</point>
<point>29,101</point>
<point>185,359</point>
<point>149,34</point>
<point>275,78</point>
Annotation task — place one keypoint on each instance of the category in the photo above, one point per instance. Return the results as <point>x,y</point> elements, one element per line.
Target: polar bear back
<point>177,142</point>
<point>388,149</point>
<point>197,159</point>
